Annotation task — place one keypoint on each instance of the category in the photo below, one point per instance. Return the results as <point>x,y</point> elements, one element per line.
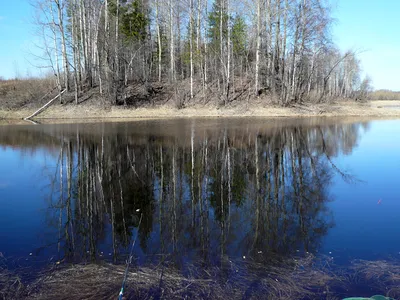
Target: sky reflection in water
<point>208,190</point>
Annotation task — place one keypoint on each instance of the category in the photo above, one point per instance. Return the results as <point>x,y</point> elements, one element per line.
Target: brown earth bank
<point>20,98</point>
<point>93,111</point>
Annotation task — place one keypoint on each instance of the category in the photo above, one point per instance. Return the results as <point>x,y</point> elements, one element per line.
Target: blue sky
<point>372,26</point>
<point>368,25</point>
<point>16,38</point>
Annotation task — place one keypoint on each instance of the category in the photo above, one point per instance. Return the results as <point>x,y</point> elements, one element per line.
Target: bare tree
<point>282,52</point>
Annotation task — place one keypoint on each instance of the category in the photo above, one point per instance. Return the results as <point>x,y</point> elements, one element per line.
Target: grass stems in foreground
<point>291,278</point>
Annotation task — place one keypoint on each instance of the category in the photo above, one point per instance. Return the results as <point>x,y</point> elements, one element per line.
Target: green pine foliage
<point>214,25</point>
<point>133,21</point>
<point>239,36</point>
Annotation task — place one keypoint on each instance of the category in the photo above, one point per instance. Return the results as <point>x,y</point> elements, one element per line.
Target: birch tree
<point>279,50</point>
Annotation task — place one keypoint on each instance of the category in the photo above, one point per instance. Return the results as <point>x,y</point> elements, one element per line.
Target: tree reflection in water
<point>206,193</point>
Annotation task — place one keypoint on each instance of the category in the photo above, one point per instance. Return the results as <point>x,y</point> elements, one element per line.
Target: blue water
<point>22,179</point>
<point>207,190</point>
<point>367,213</point>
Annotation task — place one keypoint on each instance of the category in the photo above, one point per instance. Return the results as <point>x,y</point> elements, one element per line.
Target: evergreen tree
<point>133,21</point>
<point>239,37</point>
<point>214,23</point>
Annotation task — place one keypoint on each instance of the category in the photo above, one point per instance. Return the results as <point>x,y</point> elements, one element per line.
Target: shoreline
<point>71,112</point>
<point>297,277</point>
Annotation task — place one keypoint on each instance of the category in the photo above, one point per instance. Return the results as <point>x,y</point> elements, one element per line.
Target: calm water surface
<point>206,190</point>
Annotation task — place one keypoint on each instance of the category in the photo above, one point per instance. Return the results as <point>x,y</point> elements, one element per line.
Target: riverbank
<point>383,108</point>
<point>300,278</point>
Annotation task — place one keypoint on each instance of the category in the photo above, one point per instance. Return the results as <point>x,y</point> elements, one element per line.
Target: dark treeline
<point>205,194</point>
<point>223,50</point>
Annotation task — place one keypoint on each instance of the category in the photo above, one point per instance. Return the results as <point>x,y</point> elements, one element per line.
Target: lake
<point>200,193</point>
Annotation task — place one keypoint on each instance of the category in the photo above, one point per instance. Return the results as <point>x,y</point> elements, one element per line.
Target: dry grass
<point>290,278</point>
<point>384,95</point>
<point>19,98</point>
<point>91,111</point>
<point>242,279</point>
<point>381,274</point>
<point>10,284</point>
<point>15,94</point>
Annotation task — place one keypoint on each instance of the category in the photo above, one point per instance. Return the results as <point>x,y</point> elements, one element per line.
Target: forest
<point>280,51</point>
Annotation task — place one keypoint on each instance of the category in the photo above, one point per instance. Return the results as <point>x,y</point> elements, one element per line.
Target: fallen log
<point>31,121</point>
<point>44,106</point>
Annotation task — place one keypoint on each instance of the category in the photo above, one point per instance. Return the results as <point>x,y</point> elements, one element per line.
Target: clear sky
<point>372,26</point>
<point>16,38</point>
<point>368,25</point>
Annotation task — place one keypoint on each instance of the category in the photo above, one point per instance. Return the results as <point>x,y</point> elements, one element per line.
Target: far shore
<point>70,112</point>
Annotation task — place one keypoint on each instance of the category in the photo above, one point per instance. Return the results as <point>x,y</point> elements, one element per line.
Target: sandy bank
<point>338,109</point>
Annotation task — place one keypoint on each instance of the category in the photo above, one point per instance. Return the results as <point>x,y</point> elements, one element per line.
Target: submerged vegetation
<point>292,278</point>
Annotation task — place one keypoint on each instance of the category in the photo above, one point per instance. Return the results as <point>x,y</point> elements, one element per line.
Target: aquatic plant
<point>242,278</point>
<point>306,277</point>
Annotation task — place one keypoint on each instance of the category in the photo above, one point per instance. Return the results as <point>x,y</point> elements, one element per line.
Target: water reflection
<point>207,190</point>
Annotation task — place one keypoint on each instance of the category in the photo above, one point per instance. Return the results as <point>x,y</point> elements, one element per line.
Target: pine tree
<point>239,36</point>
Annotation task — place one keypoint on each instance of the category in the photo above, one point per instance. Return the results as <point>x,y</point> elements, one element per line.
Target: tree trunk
<point>258,48</point>
<point>191,47</point>
<point>75,53</point>
<point>171,28</point>
<point>57,68</point>
<point>221,43</point>
<point>159,41</point>
<point>60,11</point>
<point>228,50</point>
